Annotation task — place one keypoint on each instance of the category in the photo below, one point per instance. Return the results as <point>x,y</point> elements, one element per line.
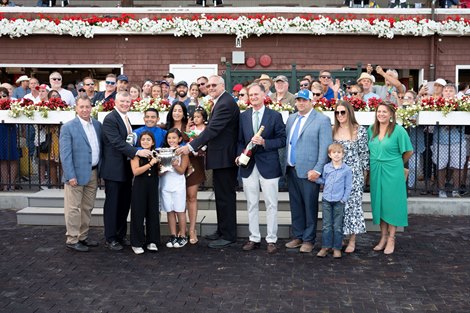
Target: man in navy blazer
<point>220,136</point>
<point>80,149</point>
<point>308,137</point>
<point>264,168</point>
<point>116,171</point>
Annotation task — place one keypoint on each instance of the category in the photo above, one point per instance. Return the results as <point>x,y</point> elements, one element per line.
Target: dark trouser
<point>332,224</point>
<point>303,195</point>
<point>145,206</point>
<point>116,209</point>
<point>225,182</point>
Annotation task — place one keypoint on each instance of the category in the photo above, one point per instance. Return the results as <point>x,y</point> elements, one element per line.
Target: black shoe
<point>125,242</point>
<point>89,243</point>
<point>114,245</point>
<point>213,236</point>
<point>220,243</point>
<point>77,247</point>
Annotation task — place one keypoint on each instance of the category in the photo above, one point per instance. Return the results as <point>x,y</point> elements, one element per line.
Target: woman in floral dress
<point>353,137</point>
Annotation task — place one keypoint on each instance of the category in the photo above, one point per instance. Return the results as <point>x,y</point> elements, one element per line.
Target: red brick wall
<point>149,56</point>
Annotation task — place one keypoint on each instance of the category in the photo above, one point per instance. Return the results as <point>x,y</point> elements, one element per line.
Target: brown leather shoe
<point>294,244</point>
<point>306,247</point>
<point>250,245</point>
<point>271,248</point>
<point>322,253</point>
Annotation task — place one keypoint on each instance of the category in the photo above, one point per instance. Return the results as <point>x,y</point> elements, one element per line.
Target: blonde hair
<point>335,147</point>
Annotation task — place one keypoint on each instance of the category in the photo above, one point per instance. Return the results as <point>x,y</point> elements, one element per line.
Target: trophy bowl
<point>166,156</point>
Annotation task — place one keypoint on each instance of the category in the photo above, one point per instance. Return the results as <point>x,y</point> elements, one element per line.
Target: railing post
<point>293,79</point>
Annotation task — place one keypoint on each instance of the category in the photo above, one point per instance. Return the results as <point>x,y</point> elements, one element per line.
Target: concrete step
<point>206,223</point>
<point>54,198</point>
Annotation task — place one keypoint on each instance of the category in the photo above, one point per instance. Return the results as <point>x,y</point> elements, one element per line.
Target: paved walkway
<point>430,272</point>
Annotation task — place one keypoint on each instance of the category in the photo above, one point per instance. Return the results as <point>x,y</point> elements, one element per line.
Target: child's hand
<point>175,162</point>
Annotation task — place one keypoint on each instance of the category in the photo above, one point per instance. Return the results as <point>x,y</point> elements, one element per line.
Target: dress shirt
<point>92,139</point>
<point>260,117</point>
<point>337,182</point>
<point>302,123</point>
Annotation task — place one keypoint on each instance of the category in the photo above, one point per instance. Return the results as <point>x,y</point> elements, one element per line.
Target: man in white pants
<point>264,167</point>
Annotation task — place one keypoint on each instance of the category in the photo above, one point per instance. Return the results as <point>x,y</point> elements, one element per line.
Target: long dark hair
<point>149,133</point>
<point>172,130</point>
<point>352,122</point>
<point>391,126</point>
<point>170,123</point>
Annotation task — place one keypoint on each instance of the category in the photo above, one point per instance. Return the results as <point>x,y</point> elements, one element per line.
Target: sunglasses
<point>90,84</point>
<point>212,85</point>
<point>110,83</point>
<point>304,85</point>
<point>3,96</point>
<point>241,94</point>
<point>348,87</point>
<point>401,98</point>
<point>324,76</point>
<point>56,78</point>
<point>340,112</point>
<point>316,94</point>
<point>201,84</point>
<point>355,93</point>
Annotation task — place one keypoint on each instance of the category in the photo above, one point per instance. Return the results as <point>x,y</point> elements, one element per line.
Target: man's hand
<point>182,150</point>
<point>144,153</point>
<point>369,69</point>
<point>73,182</point>
<point>258,140</point>
<point>312,175</point>
<point>379,70</point>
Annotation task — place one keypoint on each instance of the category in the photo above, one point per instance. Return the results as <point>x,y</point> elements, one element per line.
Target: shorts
<point>453,155</point>
<point>173,201</point>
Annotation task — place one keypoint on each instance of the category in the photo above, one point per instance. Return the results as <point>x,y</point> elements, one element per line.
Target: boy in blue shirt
<point>337,181</point>
<point>151,119</point>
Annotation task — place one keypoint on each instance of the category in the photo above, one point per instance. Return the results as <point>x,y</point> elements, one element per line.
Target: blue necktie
<point>293,140</point>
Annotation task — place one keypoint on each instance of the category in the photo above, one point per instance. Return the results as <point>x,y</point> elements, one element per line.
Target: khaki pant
<point>78,204</point>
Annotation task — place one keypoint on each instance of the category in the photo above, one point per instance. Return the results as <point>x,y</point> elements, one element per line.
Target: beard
<point>182,93</point>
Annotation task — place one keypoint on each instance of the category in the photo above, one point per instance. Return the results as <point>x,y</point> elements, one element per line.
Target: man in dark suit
<point>308,137</point>
<point>220,136</point>
<point>80,149</point>
<point>264,167</point>
<point>116,171</point>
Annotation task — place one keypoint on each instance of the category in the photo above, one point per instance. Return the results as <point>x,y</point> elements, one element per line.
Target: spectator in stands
<point>366,81</point>
<point>122,83</point>
<point>55,79</point>
<point>8,150</point>
<point>236,90</point>
<point>156,92</point>
<point>449,3</point>
<point>72,89</point>
<point>282,94</point>
<point>166,91</point>
<point>304,84</point>
<point>170,78</point>
<point>330,89</point>
<point>110,91</point>
<point>147,89</point>
<point>449,150</point>
<point>34,94</point>
<point>356,92</point>
<point>9,89</point>
<point>23,87</point>
<point>135,92</point>
<point>194,92</point>
<point>392,84</point>
<point>243,95</point>
<point>89,86</point>
<point>7,3</point>
<point>317,93</point>
<point>347,87</point>
<point>267,82</point>
<point>390,148</point>
<point>182,93</point>
<point>202,85</point>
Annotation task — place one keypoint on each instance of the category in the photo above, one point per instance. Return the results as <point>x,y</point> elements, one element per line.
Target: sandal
<point>193,237</point>
<point>381,245</point>
<point>351,247</point>
<point>390,248</point>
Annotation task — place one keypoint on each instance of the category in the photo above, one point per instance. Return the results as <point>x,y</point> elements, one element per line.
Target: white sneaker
<point>152,247</point>
<point>455,194</point>
<point>138,250</point>
<point>180,242</point>
<point>442,194</point>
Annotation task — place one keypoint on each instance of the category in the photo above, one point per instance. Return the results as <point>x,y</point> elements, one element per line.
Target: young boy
<point>337,180</point>
<point>151,119</point>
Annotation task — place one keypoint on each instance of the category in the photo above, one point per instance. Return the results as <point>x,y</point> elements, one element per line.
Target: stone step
<point>54,198</point>
<point>206,222</point>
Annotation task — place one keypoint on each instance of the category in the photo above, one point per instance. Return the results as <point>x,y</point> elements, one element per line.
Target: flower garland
<point>241,26</point>
<point>26,107</point>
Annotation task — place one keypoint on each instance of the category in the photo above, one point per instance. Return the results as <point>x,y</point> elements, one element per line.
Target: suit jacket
<point>75,151</point>
<point>312,145</point>
<point>220,134</point>
<point>266,158</point>
<point>116,151</point>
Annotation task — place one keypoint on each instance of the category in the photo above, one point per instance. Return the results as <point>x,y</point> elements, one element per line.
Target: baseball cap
<point>440,81</point>
<point>182,83</point>
<point>281,77</point>
<point>349,82</point>
<point>43,86</point>
<point>237,87</point>
<point>165,82</point>
<point>169,75</point>
<point>80,86</point>
<point>123,78</point>
<point>304,94</point>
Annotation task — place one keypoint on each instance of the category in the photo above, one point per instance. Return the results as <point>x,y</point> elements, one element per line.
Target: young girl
<point>145,199</point>
<point>198,175</point>
<point>173,194</point>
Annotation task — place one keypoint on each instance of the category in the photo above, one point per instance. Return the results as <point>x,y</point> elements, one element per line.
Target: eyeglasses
<point>212,85</point>
<point>201,84</point>
<point>340,112</point>
<point>242,94</point>
<point>355,93</point>
<point>90,84</point>
<point>316,94</point>
<point>56,78</point>
<point>304,85</point>
<point>110,83</point>
<point>325,76</point>
<point>407,98</point>
<point>400,97</point>
<point>348,87</point>
<point>3,96</point>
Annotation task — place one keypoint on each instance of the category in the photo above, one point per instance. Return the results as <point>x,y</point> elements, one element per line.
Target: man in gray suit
<point>308,137</point>
<point>80,148</point>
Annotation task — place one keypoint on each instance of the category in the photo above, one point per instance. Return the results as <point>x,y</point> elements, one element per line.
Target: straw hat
<point>22,79</point>
<point>364,75</point>
<point>264,77</point>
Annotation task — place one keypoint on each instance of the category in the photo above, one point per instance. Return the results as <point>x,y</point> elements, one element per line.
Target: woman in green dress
<point>390,148</point>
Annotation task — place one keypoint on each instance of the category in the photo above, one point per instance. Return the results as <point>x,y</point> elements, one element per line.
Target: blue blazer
<point>313,142</point>
<point>75,151</point>
<point>274,134</point>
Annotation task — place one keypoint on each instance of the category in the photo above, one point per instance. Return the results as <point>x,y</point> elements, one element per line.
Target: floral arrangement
<point>277,106</point>
<point>373,103</point>
<point>242,105</point>
<point>207,103</point>
<point>408,114</point>
<point>5,104</point>
<point>161,105</point>
<point>324,105</point>
<point>27,107</point>
<point>463,104</point>
<point>242,26</point>
<point>439,104</point>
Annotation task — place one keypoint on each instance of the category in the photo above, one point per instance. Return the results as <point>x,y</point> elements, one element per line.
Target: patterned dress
<point>356,156</point>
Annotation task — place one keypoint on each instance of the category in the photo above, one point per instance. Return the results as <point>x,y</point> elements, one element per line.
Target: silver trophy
<point>166,157</point>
